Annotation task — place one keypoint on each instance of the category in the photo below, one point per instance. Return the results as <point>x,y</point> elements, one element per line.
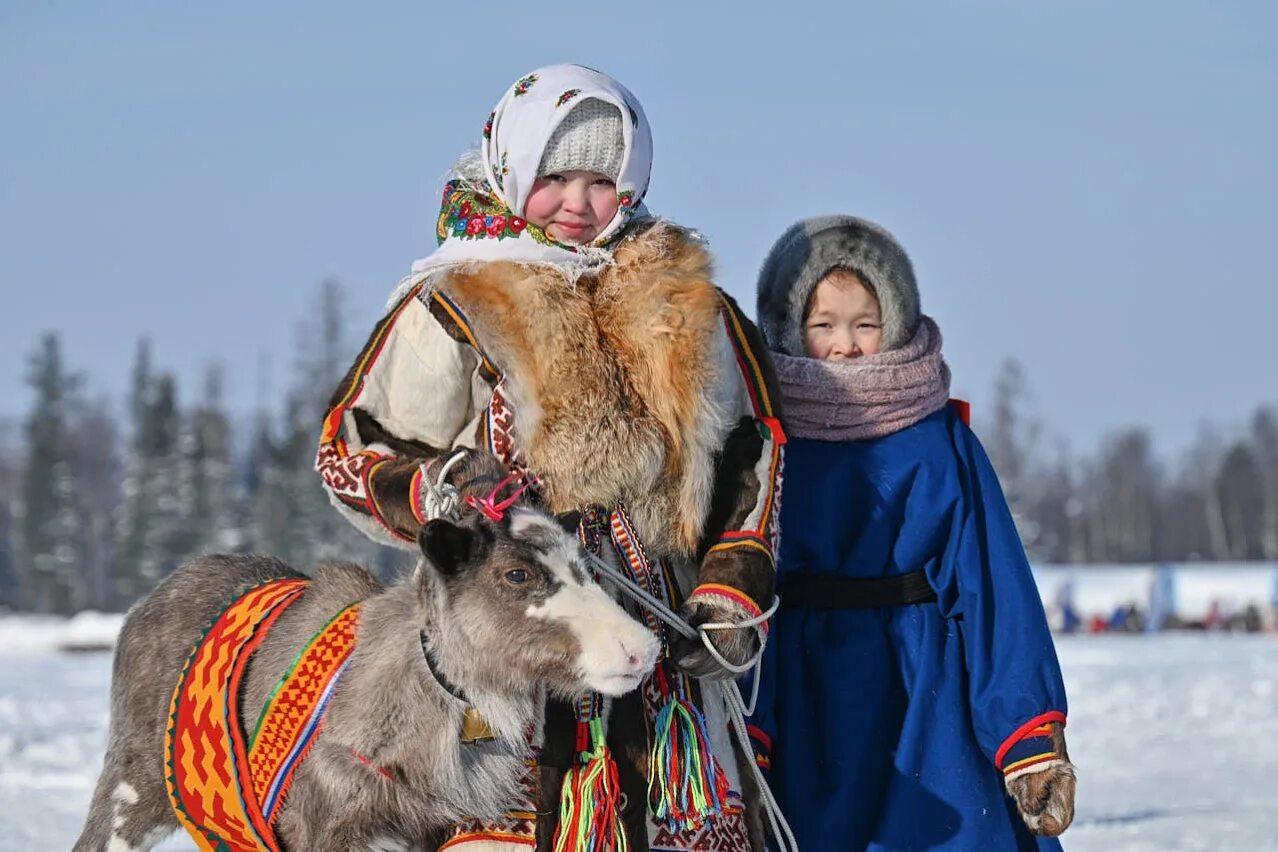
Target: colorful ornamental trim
<point>225,791</point>
<point>730,595</point>
<point>1029,745</point>
<point>204,747</point>
<point>469,214</point>
<point>751,370</point>
<point>734,539</point>
<point>293,714</point>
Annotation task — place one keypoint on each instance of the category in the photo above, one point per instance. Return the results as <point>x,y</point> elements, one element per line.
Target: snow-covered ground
<point>1175,736</point>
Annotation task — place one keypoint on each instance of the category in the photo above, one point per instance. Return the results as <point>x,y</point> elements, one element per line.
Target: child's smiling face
<point>843,319</point>
<point>572,206</point>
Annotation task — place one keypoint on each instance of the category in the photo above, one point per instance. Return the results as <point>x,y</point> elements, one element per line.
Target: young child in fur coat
<point>562,333</point>
<point>910,696</point>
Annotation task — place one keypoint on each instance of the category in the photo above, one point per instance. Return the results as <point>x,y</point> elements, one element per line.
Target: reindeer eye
<point>517,576</point>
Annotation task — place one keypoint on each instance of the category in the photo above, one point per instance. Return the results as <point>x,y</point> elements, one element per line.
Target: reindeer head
<point>513,599</point>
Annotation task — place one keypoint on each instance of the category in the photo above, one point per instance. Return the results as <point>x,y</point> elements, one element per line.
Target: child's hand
<point>1044,794</point>
<point>736,646</point>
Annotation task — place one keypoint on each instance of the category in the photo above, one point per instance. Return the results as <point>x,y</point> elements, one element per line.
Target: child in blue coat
<point>910,696</point>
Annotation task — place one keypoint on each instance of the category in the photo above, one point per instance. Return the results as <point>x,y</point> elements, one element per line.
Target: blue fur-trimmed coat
<point>886,728</point>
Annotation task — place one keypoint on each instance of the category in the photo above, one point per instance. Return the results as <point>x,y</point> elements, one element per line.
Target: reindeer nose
<point>641,657</point>
<point>634,659</point>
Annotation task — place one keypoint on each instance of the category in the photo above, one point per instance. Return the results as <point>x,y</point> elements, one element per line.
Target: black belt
<point>822,591</point>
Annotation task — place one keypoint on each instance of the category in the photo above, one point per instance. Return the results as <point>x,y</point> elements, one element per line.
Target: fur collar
<point>616,377</point>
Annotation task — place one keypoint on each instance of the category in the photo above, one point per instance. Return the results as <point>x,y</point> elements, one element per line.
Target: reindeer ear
<point>447,546</point>
<point>569,521</point>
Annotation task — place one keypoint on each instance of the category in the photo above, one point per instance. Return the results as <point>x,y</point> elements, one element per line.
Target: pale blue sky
<point>1089,187</point>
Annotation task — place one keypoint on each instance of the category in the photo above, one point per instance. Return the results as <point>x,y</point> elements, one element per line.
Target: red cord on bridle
<point>489,506</point>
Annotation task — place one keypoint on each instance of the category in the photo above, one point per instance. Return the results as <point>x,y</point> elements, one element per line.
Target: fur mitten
<point>737,646</point>
<point>472,473</point>
<point>1040,779</point>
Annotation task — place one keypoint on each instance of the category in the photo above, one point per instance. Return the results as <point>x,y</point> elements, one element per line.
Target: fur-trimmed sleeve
<point>737,562</point>
<point>411,396</point>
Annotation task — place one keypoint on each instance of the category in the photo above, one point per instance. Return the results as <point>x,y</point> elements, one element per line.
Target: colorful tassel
<point>686,785</point>
<point>590,803</point>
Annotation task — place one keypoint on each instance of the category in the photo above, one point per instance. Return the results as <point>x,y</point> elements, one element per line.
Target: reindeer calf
<point>493,613</point>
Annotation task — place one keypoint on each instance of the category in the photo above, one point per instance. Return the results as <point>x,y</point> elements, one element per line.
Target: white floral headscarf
<point>485,221</point>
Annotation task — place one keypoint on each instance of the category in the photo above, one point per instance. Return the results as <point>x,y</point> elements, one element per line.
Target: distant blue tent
<point>1162,599</point>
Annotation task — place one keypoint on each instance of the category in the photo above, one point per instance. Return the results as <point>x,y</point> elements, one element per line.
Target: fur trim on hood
<point>810,250</point>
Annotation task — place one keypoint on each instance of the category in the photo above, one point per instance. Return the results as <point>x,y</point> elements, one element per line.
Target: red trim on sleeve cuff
<point>1050,716</point>
<point>375,509</point>
<point>730,595</point>
<point>415,495</point>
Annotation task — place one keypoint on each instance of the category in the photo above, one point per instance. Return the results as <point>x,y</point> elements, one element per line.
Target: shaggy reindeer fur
<point>505,609</point>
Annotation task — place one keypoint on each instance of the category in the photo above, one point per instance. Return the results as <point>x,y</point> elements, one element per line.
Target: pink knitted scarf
<point>867,397</point>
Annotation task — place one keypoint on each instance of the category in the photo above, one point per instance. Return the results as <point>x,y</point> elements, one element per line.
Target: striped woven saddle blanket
<point>226,784</point>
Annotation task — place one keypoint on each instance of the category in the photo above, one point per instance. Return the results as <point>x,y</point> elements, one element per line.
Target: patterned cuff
<point>734,600</point>
<point>1030,748</point>
<point>742,538</point>
<point>415,495</point>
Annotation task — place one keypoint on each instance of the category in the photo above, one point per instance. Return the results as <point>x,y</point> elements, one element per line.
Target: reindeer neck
<point>462,671</point>
<point>392,713</point>
<point>392,644</point>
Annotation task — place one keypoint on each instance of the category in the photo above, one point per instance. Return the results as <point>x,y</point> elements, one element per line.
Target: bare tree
<point>1056,510</point>
<point>1123,488</point>
<point>1202,467</point>
<point>1011,438</point>
<point>1242,502</point>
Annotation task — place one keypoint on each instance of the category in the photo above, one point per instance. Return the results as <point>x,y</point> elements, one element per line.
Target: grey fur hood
<point>810,250</point>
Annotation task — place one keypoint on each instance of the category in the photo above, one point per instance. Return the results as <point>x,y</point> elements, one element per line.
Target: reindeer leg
<point>124,816</point>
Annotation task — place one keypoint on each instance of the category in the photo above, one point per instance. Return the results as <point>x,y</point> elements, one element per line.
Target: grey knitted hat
<point>588,139</point>
<point>810,250</point>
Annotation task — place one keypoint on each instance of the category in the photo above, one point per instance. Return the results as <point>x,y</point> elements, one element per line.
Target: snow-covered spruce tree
<point>326,351</point>
<point>283,522</point>
<point>165,541</point>
<point>95,456</point>
<point>133,517</point>
<point>49,570</point>
<point>153,539</point>
<point>212,506</point>
<point>291,515</point>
